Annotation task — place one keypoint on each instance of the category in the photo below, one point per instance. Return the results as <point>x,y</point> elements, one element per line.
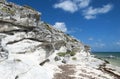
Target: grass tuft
<point>74,58</point>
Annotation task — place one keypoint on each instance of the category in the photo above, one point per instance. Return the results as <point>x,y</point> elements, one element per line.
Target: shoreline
<point>105,56</point>
<point>104,71</point>
<point>92,68</point>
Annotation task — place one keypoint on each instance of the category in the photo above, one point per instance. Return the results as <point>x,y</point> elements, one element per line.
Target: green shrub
<point>48,27</point>
<point>5,9</point>
<point>17,60</point>
<point>74,40</point>
<point>67,38</point>
<point>74,58</point>
<point>62,54</point>
<point>65,53</point>
<point>71,53</point>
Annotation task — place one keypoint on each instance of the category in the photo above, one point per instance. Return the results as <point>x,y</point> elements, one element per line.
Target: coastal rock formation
<point>33,49</point>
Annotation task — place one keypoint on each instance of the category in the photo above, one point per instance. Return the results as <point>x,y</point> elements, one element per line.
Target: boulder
<point>64,61</point>
<point>57,58</point>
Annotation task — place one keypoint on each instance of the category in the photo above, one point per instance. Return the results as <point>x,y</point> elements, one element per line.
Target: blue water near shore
<point>105,55</point>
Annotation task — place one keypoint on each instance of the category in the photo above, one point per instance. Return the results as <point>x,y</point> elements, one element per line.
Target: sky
<point>93,22</point>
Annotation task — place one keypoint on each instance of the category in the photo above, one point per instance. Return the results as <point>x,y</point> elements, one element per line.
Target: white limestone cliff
<point>32,49</point>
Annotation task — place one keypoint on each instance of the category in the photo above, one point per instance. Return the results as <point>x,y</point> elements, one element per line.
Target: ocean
<point>105,55</point>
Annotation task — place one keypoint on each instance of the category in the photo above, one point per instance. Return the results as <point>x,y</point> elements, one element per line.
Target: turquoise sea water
<point>104,55</point>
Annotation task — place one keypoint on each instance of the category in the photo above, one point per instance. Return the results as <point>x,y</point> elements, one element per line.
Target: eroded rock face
<point>22,32</point>
<point>25,42</point>
<point>2,1</point>
<point>18,15</point>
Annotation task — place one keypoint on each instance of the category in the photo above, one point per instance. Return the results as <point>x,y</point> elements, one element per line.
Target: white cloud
<point>83,3</point>
<point>91,12</point>
<point>90,39</point>
<point>74,30</point>
<point>90,17</point>
<point>88,12</point>
<point>67,6</point>
<point>60,26</point>
<point>72,5</point>
<point>118,43</point>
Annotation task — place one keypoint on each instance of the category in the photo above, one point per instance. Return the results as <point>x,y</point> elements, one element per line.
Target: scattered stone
<point>57,58</point>
<point>42,63</point>
<point>64,61</point>
<point>17,77</point>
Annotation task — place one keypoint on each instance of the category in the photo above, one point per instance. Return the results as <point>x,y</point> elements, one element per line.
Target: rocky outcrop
<point>115,71</point>
<point>21,25</point>
<point>26,41</point>
<point>27,44</point>
<point>2,1</point>
<point>17,15</point>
